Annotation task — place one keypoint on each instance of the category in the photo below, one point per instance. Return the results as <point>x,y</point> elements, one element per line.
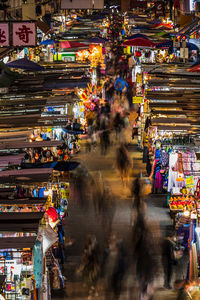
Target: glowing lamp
<point>186,213</point>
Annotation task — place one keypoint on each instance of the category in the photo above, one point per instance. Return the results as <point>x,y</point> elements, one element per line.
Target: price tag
<point>189,181</point>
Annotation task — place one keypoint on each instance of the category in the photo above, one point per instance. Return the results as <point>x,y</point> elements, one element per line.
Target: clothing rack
<point>181,146</point>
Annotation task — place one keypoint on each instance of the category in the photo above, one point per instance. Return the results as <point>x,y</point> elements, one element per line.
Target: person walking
<point>90,266</point>
<point>123,163</point>
<point>114,268</point>
<point>168,260</point>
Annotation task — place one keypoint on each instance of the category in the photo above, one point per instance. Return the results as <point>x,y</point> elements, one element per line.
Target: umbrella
<point>137,35</point>
<point>48,42</point>
<point>139,42</point>
<point>6,76</point>
<point>192,46</point>
<point>67,45</point>
<point>25,64</point>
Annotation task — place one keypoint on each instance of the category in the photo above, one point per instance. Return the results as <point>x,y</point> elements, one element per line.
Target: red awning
<point>139,42</point>
<point>195,69</point>
<point>67,44</point>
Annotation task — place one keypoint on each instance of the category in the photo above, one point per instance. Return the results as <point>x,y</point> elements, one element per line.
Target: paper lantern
<point>180,177</point>
<point>52,213</point>
<point>138,54</point>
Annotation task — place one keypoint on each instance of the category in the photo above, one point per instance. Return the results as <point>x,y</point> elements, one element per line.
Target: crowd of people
<point>145,255</point>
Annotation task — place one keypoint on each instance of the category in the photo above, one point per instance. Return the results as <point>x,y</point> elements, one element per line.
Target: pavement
<point>82,221</point>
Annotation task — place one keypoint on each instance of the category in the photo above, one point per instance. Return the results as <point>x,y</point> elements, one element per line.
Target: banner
<point>4,35</point>
<point>24,34</point>
<point>137,100</point>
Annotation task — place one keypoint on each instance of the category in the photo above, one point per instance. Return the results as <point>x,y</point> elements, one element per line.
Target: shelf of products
<point>180,202</point>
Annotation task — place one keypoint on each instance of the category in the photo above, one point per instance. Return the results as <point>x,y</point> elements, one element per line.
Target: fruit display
<point>182,202</point>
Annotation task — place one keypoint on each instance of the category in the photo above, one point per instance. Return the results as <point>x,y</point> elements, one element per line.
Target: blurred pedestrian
<point>90,266</point>
<point>104,134</point>
<point>136,194</point>
<point>183,293</point>
<point>103,204</point>
<point>123,163</point>
<point>114,268</point>
<point>144,254</point>
<point>81,187</point>
<point>117,125</point>
<point>168,260</point>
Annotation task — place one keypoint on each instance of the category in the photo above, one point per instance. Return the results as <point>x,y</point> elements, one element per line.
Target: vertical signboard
<point>160,9</point>
<point>4,35</point>
<point>24,34</point>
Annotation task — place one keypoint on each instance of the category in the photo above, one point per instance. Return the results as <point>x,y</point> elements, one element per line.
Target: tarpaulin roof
<point>25,64</point>
<point>139,42</point>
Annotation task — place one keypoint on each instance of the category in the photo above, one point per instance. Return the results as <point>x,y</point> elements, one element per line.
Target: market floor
<point>81,222</point>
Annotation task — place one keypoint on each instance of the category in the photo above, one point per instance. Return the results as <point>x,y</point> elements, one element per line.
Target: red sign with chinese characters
<point>4,35</point>
<point>24,34</point>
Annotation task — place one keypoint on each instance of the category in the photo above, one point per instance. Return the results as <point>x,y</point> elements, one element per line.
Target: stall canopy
<point>97,40</point>
<point>135,36</point>
<point>26,176</point>
<point>163,26</point>
<point>139,42</point>
<point>57,165</point>
<point>67,45</point>
<point>18,242</point>
<point>22,145</point>
<point>20,222</point>
<point>23,201</point>
<point>25,64</point>
<point>48,42</point>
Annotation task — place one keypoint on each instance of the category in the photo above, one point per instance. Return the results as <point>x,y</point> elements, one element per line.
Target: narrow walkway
<point>82,222</point>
